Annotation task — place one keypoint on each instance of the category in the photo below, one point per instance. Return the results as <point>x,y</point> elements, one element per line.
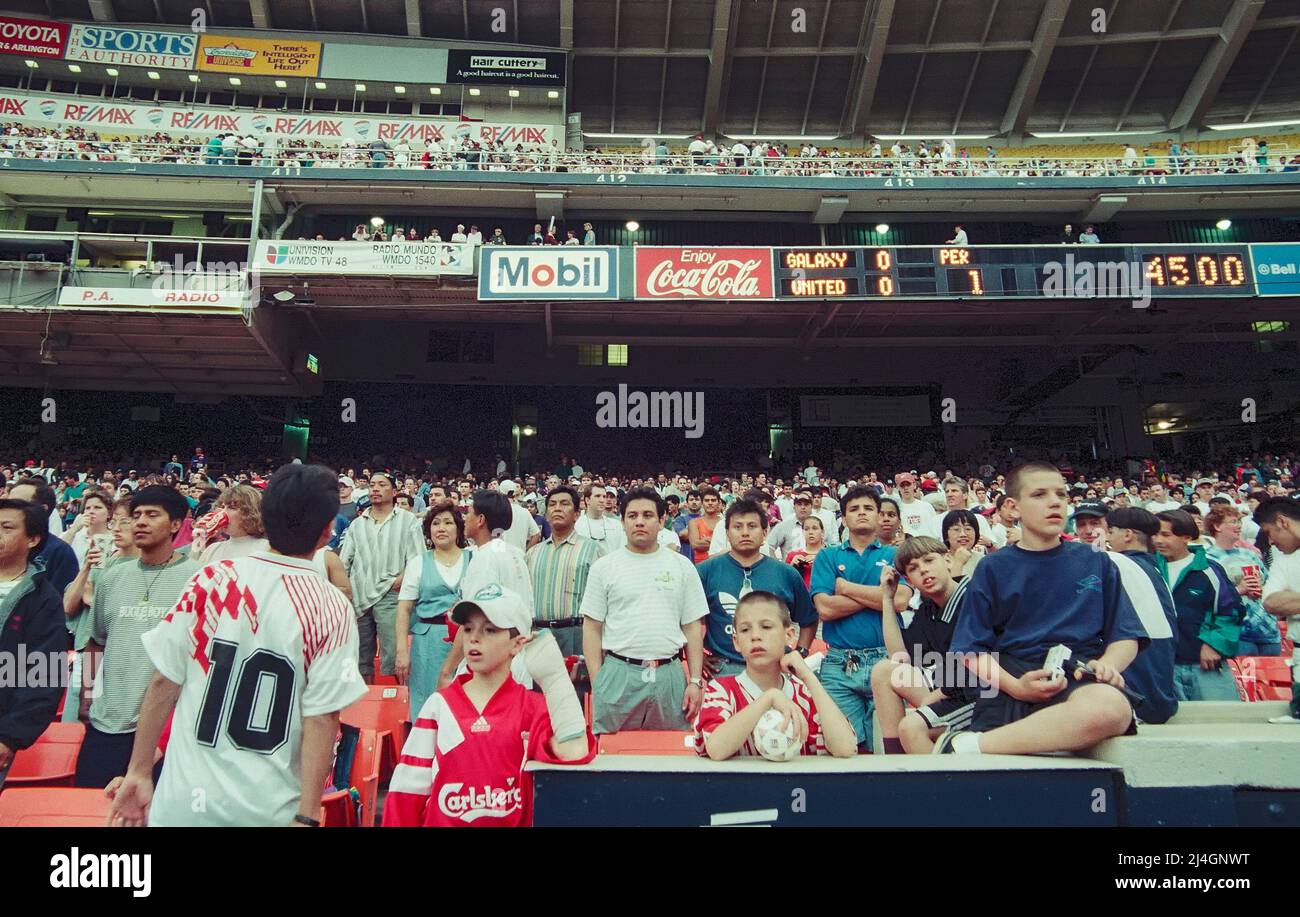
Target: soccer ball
<point>773,742</point>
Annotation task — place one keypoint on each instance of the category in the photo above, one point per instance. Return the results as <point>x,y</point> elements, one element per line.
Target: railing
<point>278,153</point>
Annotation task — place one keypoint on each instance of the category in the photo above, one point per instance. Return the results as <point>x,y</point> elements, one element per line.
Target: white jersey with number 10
<point>256,644</point>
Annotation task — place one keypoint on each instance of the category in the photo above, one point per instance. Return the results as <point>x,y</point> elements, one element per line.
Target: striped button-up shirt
<point>375,553</point>
<point>559,574</point>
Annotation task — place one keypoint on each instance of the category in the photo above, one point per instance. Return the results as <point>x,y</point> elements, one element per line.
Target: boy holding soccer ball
<point>775,678</point>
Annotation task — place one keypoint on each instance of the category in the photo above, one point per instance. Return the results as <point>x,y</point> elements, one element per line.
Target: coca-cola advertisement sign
<point>703,273</point>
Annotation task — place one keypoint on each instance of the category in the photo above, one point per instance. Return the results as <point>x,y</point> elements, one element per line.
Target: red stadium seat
<point>63,734</point>
<point>53,807</point>
<point>383,679</point>
<point>384,709</point>
<point>44,764</point>
<point>365,774</point>
<point>337,810</point>
<point>648,742</point>
<point>1270,675</point>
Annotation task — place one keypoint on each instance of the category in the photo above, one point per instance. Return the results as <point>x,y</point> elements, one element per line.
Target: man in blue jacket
<point>1209,611</point>
<point>31,628</point>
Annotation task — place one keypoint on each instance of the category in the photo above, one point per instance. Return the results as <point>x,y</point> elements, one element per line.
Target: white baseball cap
<point>508,487</point>
<point>502,606</point>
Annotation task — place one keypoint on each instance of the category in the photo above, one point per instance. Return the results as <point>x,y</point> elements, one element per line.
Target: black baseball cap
<point>1135,518</point>
<point>1091,508</point>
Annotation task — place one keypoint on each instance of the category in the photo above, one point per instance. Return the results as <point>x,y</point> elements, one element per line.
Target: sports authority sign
<point>33,37</point>
<point>366,259</point>
<point>96,44</point>
<point>703,273</point>
<point>114,118</point>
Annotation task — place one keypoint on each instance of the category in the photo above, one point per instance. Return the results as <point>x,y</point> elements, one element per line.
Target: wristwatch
<point>306,820</point>
<point>802,651</point>
<point>697,682</point>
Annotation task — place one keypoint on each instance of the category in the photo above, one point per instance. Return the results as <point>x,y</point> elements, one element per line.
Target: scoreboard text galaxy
<point>1074,271</point>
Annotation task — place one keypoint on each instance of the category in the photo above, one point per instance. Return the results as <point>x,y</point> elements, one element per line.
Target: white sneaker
<point>1287,720</point>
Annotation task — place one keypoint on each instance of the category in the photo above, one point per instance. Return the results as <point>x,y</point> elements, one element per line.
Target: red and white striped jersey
<point>726,696</point>
<point>257,644</point>
<point>461,767</point>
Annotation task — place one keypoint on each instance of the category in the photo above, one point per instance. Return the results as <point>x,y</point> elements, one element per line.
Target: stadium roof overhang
<point>838,68</point>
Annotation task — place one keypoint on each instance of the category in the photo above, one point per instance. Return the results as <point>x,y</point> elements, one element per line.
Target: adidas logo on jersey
<point>480,725</point>
<point>473,804</point>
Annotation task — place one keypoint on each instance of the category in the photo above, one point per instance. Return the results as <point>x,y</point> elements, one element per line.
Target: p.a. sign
<point>1277,268</point>
<point>548,272</point>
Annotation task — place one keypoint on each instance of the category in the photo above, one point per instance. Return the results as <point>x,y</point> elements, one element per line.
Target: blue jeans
<point>1191,682</point>
<point>1249,648</point>
<point>851,690</point>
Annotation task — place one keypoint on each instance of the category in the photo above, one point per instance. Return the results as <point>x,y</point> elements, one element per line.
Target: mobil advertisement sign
<point>554,272</point>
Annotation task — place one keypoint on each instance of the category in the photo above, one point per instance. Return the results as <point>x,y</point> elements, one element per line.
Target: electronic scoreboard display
<point>1030,271</point>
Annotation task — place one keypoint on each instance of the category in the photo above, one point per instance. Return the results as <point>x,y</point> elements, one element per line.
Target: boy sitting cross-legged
<point>918,670</point>
<point>775,678</point>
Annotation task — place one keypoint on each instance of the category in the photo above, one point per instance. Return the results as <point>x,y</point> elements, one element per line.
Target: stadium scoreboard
<point>1047,271</point>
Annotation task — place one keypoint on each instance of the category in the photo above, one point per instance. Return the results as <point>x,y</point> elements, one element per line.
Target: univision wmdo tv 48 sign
<point>537,272</point>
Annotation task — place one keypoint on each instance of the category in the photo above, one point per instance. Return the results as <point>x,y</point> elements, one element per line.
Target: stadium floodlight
<point>513,93</point>
<point>529,430</point>
<point>194,77</point>
<point>236,81</point>
<point>632,226</point>
<point>376,222</point>
<point>435,90</point>
<point>475,92</point>
<point>1223,225</point>
<point>1251,125</point>
<point>281,84</point>
<point>112,71</point>
<point>32,64</point>
<point>284,296</point>
<point>320,84</point>
<point>360,87</point>
<point>400,90</point>
<point>552,93</point>
<point>74,68</point>
<point>153,75</point>
<point>882,228</point>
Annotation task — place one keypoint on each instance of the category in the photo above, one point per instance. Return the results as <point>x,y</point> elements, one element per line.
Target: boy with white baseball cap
<point>463,763</point>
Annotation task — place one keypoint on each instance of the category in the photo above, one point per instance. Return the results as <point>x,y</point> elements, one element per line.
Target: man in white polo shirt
<point>643,604</point>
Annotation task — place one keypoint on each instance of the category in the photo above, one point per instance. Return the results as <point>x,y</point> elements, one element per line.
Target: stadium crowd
<point>837,596</point>
<point>936,159</point>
